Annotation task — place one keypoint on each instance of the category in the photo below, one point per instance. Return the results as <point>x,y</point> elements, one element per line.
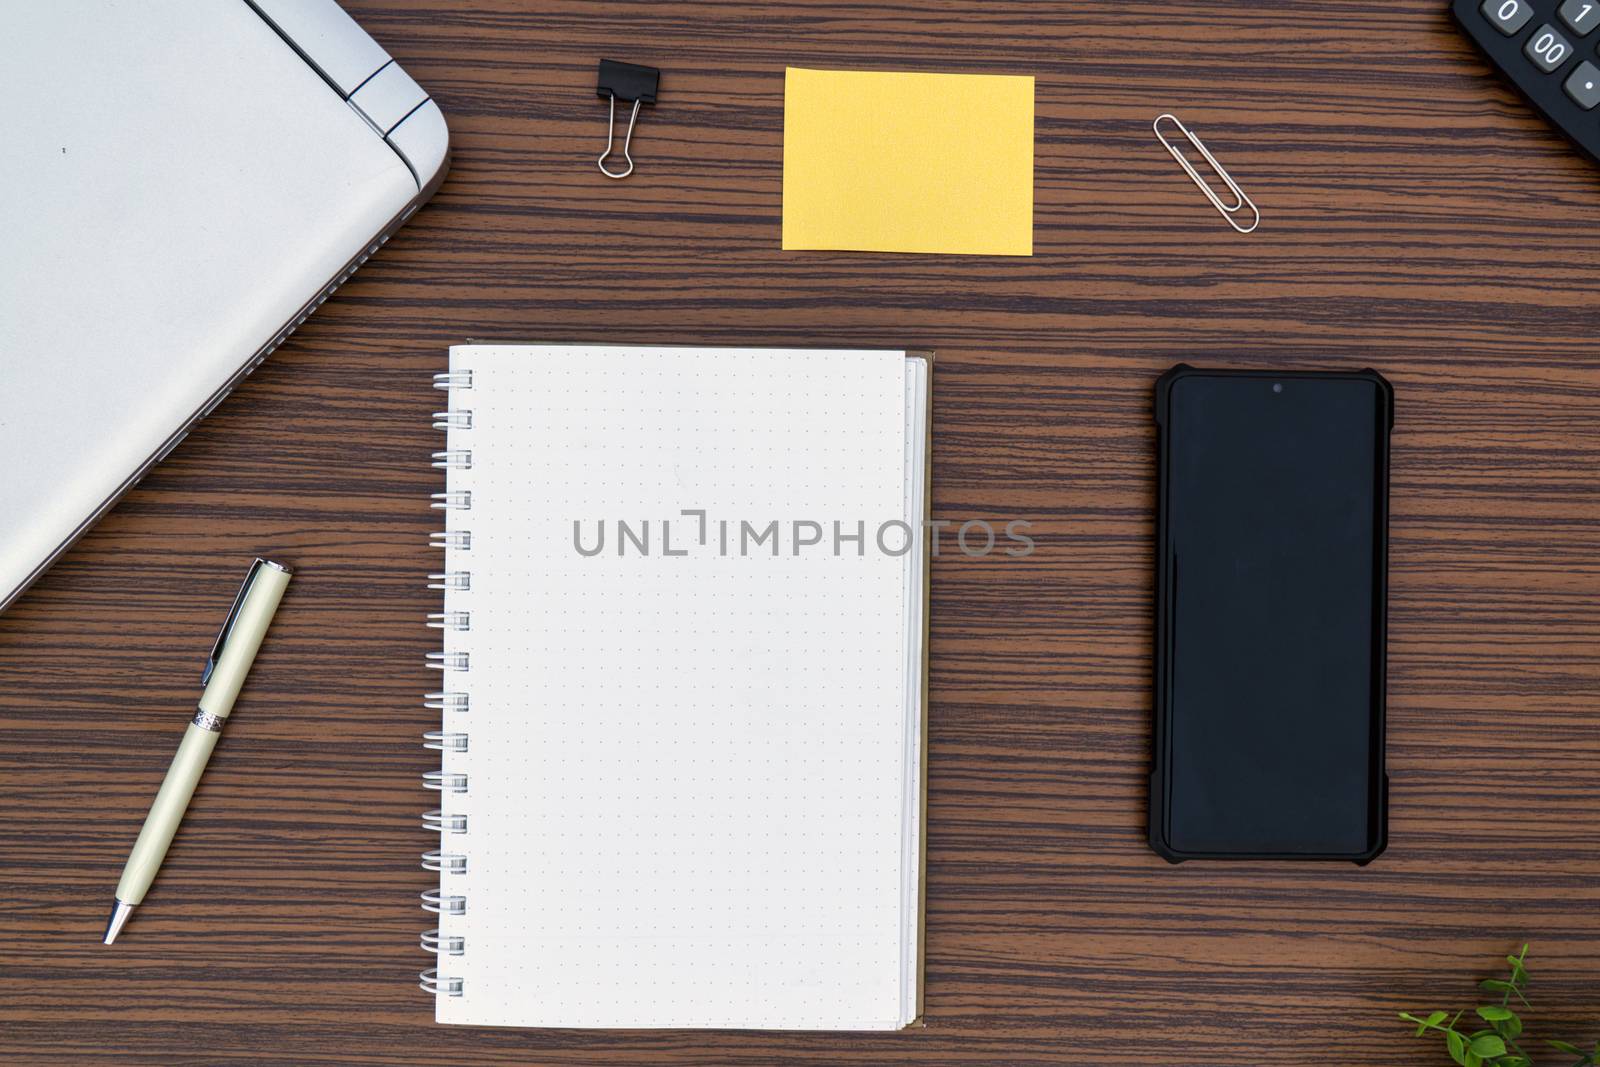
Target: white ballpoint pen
<point>226,668</point>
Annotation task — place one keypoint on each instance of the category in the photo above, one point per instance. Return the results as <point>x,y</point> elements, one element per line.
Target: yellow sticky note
<point>884,162</point>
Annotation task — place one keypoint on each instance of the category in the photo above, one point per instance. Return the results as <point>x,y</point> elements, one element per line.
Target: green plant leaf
<point>1472,1059</point>
<point>1488,1045</point>
<point>1511,1027</point>
<point>1424,1025</point>
<point>1497,986</point>
<point>1457,1046</point>
<point>1495,1013</point>
<point>1563,1046</point>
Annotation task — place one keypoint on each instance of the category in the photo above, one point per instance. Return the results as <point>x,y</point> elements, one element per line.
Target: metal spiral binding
<point>444,945</point>
<point>444,700</point>
<point>449,862</point>
<point>438,822</point>
<point>447,699</point>
<point>444,781</point>
<point>444,741</point>
<point>435,983</point>
<point>444,903</point>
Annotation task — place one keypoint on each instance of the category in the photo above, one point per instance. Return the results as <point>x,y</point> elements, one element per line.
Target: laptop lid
<point>178,185</point>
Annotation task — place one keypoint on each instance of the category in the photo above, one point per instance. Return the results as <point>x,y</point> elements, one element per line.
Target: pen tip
<point>119,918</point>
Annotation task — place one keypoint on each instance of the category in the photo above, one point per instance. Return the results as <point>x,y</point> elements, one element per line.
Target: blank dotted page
<point>690,765</point>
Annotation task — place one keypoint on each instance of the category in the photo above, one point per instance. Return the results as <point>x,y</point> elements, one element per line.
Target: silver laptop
<point>182,182</point>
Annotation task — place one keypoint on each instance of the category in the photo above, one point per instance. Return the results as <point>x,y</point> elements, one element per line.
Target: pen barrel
<point>166,813</point>
<point>244,640</point>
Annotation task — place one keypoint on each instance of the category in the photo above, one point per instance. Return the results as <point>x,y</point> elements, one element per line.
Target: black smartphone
<point>1271,598</point>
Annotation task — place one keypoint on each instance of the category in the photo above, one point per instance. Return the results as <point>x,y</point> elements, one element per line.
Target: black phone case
<point>1161,794</point>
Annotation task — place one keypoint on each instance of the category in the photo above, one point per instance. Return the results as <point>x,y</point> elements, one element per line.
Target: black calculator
<point>1548,48</point>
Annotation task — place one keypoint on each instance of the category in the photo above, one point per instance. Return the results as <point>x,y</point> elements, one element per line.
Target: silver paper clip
<point>1229,213</point>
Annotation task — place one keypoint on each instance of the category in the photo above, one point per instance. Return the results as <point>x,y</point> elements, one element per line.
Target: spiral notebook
<point>684,688</point>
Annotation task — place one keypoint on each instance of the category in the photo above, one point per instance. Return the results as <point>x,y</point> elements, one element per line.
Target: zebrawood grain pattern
<point>1418,220</point>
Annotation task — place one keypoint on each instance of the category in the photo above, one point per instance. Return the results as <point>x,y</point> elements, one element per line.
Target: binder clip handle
<point>625,82</point>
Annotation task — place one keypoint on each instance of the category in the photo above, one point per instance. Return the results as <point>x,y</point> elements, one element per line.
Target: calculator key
<point>1580,15</point>
<point>1547,48</point>
<point>1508,16</point>
<point>1584,86</point>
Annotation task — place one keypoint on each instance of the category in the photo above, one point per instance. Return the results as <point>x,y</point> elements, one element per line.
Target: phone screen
<point>1274,574</point>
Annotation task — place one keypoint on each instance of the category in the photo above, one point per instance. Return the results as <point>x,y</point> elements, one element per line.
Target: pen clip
<point>233,617</point>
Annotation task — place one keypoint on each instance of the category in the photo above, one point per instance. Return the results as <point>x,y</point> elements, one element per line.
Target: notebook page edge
<point>920,441</point>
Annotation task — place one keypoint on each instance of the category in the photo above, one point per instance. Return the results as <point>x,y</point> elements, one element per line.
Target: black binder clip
<point>625,81</point>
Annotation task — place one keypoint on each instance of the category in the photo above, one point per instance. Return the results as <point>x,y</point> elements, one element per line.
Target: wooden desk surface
<point>1418,220</point>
